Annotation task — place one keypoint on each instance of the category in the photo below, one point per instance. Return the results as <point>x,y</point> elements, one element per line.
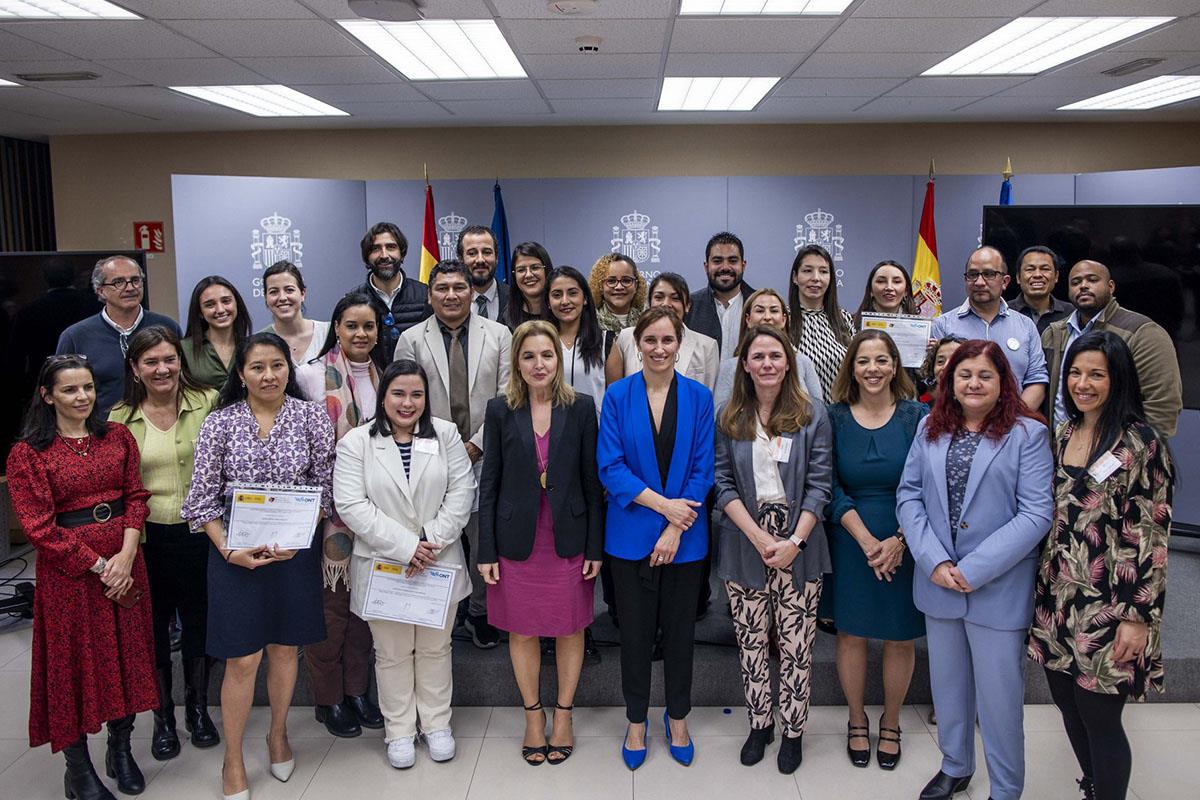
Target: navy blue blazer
<point>1007,509</point>
<point>628,464</point>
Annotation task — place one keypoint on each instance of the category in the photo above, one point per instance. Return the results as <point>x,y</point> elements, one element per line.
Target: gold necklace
<point>86,447</point>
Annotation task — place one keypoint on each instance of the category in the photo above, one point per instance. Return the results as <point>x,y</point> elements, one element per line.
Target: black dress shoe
<point>888,761</point>
<point>944,786</point>
<point>791,753</point>
<point>339,720</point>
<point>756,745</point>
<point>367,712</point>
<point>859,758</point>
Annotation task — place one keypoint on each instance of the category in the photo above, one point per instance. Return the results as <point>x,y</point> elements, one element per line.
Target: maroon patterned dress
<point>93,661</point>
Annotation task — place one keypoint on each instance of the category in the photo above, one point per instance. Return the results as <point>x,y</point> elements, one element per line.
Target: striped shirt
<point>821,344</point>
<point>405,449</point>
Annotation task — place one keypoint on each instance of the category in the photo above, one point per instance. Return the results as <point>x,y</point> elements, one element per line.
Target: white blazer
<point>488,346</point>
<point>699,356</point>
<point>389,511</point>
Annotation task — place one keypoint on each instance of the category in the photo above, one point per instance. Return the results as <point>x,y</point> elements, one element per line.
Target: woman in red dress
<point>77,491</point>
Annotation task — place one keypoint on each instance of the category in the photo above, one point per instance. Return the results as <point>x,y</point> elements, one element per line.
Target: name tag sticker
<point>1013,344</point>
<point>781,449</point>
<point>425,446</point>
<point>1106,465</point>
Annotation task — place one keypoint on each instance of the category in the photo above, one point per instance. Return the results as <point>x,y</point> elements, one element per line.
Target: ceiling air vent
<point>54,77</point>
<point>1132,66</point>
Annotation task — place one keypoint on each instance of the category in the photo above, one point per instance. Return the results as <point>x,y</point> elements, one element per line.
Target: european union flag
<point>1006,192</point>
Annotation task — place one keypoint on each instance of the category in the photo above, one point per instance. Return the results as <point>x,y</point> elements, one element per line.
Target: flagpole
<point>931,168</point>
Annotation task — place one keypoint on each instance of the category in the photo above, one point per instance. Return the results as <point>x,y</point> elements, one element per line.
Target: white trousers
<point>415,679</point>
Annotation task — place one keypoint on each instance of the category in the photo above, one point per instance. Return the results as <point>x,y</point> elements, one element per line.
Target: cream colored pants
<point>412,669</point>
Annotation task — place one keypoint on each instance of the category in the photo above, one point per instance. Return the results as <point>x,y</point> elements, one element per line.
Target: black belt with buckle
<point>101,512</point>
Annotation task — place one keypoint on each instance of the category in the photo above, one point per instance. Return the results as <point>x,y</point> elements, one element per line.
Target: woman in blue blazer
<point>655,453</point>
<point>974,501</point>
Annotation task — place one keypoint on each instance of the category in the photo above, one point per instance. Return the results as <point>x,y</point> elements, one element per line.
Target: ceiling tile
<point>252,38</point>
<point>801,106</point>
<point>338,94</point>
<point>149,101</point>
<point>915,105</point>
<point>13,47</point>
<point>939,8</point>
<point>608,108</point>
<point>868,65</point>
<point>954,87</point>
<point>740,35</point>
<point>333,69</point>
<point>479,90</point>
<point>498,109</point>
<point>732,64</point>
<point>593,66</point>
<point>109,76</point>
<point>1075,88</point>
<point>606,9</point>
<point>403,113</point>
<point>834,87</point>
<point>631,87</point>
<point>433,9</point>
<point>539,36</point>
<point>1182,35</point>
<point>909,35</point>
<point>185,71</point>
<point>1075,8</point>
<point>1096,64</point>
<point>113,38</point>
<point>219,9</point>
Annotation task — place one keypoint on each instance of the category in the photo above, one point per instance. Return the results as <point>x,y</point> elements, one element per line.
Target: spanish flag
<point>927,280</point>
<point>430,254</point>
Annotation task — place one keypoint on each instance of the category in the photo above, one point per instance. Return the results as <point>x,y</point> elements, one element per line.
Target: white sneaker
<point>441,745</point>
<point>402,752</point>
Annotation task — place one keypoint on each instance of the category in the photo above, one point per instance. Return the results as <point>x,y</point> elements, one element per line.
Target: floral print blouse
<point>1105,561</point>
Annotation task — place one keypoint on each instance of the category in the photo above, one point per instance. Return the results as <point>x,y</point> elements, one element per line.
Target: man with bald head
<point>1091,289</point>
<point>103,338</point>
<point>985,315</point>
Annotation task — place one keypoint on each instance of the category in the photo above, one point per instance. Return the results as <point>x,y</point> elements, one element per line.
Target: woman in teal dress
<point>869,595</point>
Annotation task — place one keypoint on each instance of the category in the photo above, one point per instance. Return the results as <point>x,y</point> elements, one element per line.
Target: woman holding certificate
<point>260,597</point>
<point>540,558</point>
<point>405,486</point>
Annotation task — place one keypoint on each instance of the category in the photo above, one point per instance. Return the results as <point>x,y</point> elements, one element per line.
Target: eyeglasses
<point>614,282</point>
<point>120,283</point>
<point>988,275</point>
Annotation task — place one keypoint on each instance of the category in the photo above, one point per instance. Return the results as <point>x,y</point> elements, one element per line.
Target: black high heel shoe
<point>531,754</point>
<point>888,761</point>
<point>563,751</point>
<point>859,758</point>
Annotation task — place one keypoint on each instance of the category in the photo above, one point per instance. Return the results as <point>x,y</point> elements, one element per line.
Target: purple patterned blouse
<point>299,451</point>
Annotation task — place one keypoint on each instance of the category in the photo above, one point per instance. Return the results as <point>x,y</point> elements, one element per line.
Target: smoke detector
<point>588,44</point>
<point>572,8</point>
<point>387,10</point>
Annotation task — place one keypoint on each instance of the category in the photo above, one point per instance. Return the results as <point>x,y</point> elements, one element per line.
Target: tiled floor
<point>1165,740</point>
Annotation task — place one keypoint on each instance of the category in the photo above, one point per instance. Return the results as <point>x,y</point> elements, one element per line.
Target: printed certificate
<point>262,516</point>
<point>423,599</point>
<point>911,334</point>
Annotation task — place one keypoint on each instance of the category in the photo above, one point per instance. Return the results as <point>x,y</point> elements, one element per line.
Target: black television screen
<point>1153,253</point>
<point>41,294</point>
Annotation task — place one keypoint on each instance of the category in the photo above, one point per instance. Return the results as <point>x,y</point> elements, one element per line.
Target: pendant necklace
<point>87,444</point>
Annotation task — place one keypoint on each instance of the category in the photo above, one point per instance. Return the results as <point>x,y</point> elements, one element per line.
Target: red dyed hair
<point>947,416</point>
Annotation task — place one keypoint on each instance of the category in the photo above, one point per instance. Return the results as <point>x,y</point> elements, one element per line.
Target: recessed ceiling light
<point>440,49</point>
<point>8,83</point>
<point>713,94</point>
<point>270,100</point>
<point>1029,45</point>
<point>62,9</point>
<point>748,8</point>
<point>1161,91</point>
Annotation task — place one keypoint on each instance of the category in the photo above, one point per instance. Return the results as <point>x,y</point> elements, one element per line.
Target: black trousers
<point>177,566</point>
<point>1093,723</point>
<point>650,599</point>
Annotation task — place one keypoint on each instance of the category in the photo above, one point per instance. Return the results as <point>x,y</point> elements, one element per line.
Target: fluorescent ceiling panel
<point>747,8</point>
<point>440,49</point>
<point>8,83</point>
<point>1030,45</point>
<point>62,9</point>
<point>270,100</point>
<point>713,94</point>
<point>1161,91</point>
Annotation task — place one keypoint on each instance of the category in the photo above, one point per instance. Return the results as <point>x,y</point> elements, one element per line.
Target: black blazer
<point>703,316</point>
<point>509,489</point>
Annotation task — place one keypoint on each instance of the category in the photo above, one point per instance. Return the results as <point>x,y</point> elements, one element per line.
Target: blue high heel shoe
<point>684,754</point>
<point>635,758</point>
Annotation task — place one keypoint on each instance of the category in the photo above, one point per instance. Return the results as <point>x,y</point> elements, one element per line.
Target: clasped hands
<point>118,574</point>
<point>948,576</point>
<point>680,514</point>
<point>255,557</point>
<point>884,557</point>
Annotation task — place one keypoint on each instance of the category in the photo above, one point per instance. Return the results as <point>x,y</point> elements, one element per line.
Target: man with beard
<point>401,301</point>
<point>1037,275</point>
<point>477,249</point>
<point>717,309</point>
<point>1091,289</point>
<point>985,315</point>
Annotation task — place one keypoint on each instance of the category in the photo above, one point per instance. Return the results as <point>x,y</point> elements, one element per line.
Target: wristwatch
<point>796,540</point>
<point>100,565</point>
<point>902,540</point>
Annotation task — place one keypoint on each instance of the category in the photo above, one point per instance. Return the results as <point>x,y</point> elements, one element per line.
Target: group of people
<point>534,437</point>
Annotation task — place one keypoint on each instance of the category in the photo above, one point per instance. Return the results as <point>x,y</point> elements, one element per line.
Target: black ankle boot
<point>756,745</point>
<point>118,758</point>
<point>81,781</point>
<point>791,753</point>
<point>339,720</point>
<point>164,744</point>
<point>195,703</point>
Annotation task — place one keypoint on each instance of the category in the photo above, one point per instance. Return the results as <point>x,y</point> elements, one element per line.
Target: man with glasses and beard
<point>717,309</point>
<point>401,301</point>
<point>103,338</point>
<point>477,249</point>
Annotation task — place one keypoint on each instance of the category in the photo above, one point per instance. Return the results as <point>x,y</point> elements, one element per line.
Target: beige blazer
<point>488,347</point>
<point>389,511</point>
<point>699,356</point>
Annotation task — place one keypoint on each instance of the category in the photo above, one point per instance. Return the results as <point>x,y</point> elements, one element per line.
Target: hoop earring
<point>677,358</point>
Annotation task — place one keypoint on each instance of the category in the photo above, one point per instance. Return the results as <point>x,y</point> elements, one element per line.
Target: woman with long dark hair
<point>217,320</point>
<point>343,378</point>
<point>820,328</point>
<point>974,501</point>
<point>1103,578</point>
<point>164,408</point>
<point>284,292</point>
<point>260,598</point>
<point>619,292</point>
<point>530,264</point>
<point>570,308</point>
<point>77,492</point>
<point>888,291</point>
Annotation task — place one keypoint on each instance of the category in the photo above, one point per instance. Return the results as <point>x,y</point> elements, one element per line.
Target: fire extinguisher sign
<point>148,236</point>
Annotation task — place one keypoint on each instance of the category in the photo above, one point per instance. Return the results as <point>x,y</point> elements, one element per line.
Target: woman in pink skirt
<point>541,527</point>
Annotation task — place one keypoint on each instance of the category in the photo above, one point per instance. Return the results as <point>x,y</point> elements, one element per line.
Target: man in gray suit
<point>717,308</point>
<point>466,358</point>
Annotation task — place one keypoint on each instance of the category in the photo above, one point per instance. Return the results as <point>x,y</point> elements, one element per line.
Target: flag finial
<point>1008,170</point>
<point>931,168</point>
<point>426,174</point>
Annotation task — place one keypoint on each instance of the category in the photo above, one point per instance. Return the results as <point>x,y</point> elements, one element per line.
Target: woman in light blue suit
<point>974,501</point>
<point>655,453</point>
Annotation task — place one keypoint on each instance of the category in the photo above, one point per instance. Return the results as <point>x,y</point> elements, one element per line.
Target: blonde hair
<point>793,408</point>
<point>599,273</point>
<point>845,388</point>
<point>749,304</point>
<point>516,394</point>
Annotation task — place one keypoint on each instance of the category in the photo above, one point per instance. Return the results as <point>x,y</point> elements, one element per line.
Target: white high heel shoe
<point>244,794</point>
<point>281,770</point>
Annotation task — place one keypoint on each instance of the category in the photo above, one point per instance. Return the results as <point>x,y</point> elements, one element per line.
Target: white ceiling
<point>860,67</point>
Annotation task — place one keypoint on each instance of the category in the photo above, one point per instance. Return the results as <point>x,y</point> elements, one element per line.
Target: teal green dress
<point>866,471</point>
